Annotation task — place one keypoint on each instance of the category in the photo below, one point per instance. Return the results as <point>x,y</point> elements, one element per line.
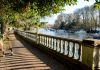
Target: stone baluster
<point>53,43</point>
<point>60,44</point>
<point>80,52</point>
<point>68,48</point>
<point>96,58</point>
<point>73,49</point>
<point>56,44</point>
<point>48,42</point>
<point>64,44</point>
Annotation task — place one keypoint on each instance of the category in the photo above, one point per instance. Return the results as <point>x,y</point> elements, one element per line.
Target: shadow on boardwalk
<point>26,57</point>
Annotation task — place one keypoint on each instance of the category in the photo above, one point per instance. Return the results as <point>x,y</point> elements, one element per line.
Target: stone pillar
<point>96,58</point>
<point>91,53</point>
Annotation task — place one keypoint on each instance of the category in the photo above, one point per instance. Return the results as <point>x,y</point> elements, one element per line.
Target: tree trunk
<point>4,27</point>
<point>2,30</point>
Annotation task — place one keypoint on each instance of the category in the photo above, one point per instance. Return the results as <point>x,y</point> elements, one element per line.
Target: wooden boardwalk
<point>26,57</point>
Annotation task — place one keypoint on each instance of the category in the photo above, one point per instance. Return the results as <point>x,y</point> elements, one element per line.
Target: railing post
<point>53,44</point>
<point>64,45</point>
<point>39,40</point>
<point>48,42</point>
<point>96,58</point>
<point>91,54</point>
<point>80,52</point>
<point>56,44</point>
<point>68,48</point>
<point>37,37</point>
<point>59,45</point>
<point>44,40</point>
<point>73,49</point>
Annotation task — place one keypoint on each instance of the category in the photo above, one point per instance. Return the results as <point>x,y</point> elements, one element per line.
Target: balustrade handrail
<point>88,54</point>
<point>59,44</point>
<point>57,37</point>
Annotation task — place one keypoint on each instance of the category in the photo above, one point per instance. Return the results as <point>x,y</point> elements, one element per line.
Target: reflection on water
<point>62,33</point>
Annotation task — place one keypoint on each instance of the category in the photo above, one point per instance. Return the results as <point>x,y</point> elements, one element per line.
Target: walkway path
<point>26,57</point>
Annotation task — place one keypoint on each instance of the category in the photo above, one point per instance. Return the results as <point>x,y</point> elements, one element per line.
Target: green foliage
<point>30,11</point>
<point>97,5</point>
<point>43,7</point>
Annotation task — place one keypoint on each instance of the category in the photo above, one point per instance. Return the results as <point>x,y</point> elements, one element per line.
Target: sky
<point>68,9</point>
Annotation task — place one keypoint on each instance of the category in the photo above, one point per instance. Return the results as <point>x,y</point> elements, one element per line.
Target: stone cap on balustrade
<point>92,42</point>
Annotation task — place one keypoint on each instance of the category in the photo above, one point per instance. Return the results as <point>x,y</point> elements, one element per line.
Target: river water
<point>61,33</point>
